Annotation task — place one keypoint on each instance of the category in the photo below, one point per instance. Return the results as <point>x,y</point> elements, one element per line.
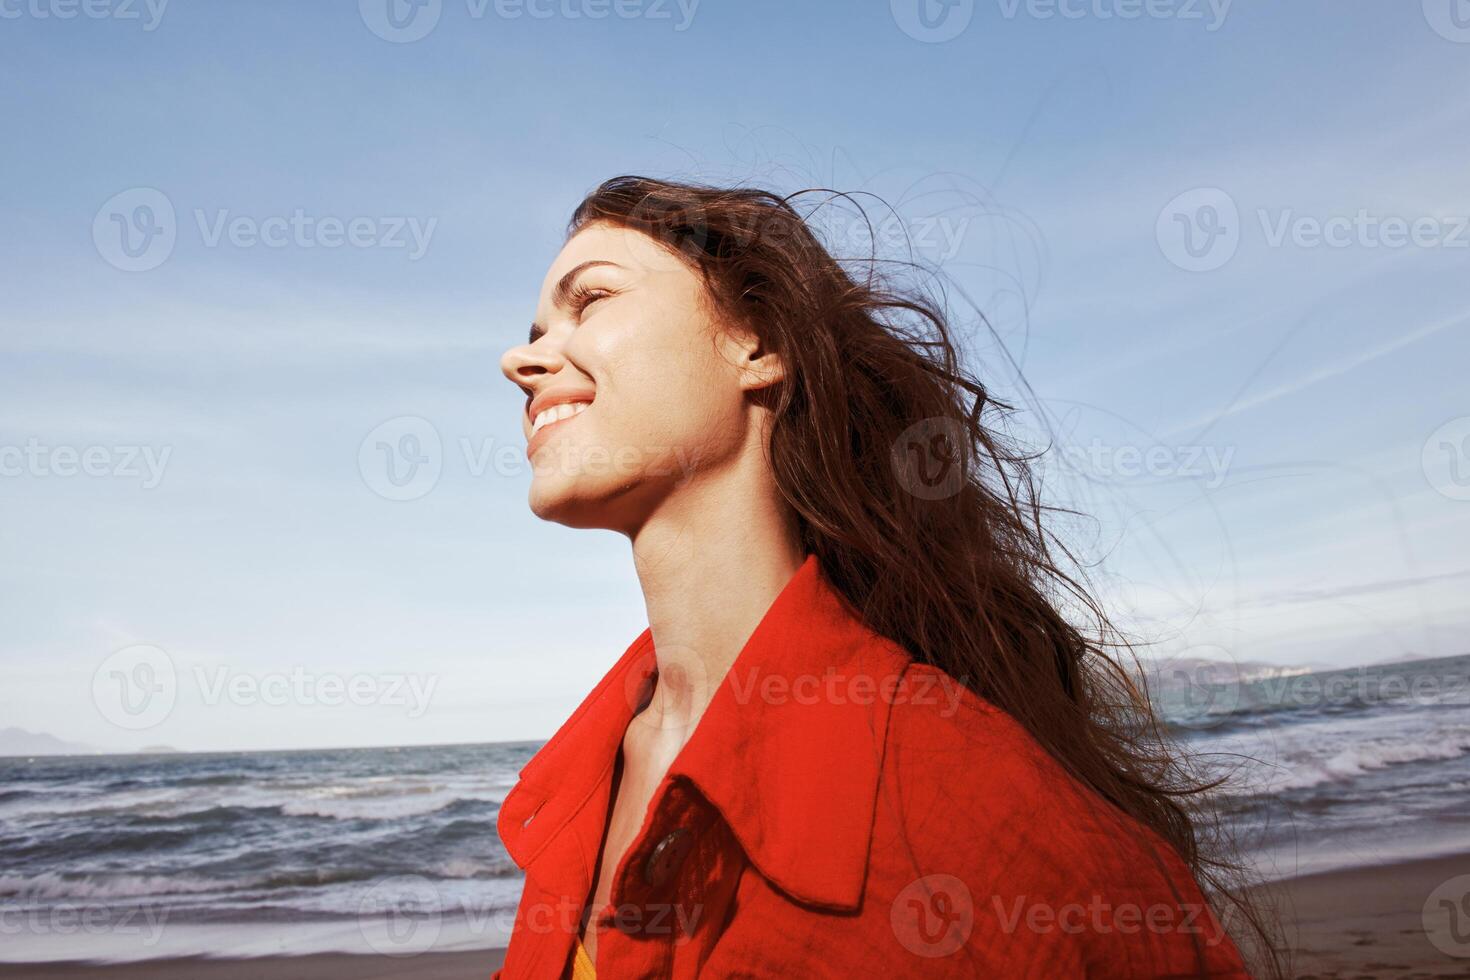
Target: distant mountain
<point>1195,670</point>
<point>18,741</point>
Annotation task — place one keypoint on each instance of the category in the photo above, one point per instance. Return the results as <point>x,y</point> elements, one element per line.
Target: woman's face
<point>634,393</point>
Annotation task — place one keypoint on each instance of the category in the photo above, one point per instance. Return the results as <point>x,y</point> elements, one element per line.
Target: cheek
<point>678,396</point>
<point>660,380</point>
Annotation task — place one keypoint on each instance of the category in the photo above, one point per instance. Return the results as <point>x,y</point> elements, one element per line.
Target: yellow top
<point>582,966</point>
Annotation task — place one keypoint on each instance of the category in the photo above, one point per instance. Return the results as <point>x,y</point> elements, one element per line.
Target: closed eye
<point>582,297</point>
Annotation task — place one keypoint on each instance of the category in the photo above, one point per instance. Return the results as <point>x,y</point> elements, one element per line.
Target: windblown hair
<point>924,515</point>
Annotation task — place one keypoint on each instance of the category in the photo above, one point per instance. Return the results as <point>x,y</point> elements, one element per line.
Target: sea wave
<point>50,886</point>
<point>1266,766</point>
<point>381,801</point>
<point>1354,761</point>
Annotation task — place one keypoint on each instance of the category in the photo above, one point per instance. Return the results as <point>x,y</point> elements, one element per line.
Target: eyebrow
<point>561,295</point>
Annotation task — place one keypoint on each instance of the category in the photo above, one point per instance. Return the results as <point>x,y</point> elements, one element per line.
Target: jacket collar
<point>804,709</point>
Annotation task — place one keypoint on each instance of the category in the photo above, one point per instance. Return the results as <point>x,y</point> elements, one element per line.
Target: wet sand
<point>1369,923</point>
<point>477,965</point>
<point>1363,924</point>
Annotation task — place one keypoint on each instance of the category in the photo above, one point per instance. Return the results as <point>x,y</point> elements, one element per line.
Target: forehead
<point>633,250</point>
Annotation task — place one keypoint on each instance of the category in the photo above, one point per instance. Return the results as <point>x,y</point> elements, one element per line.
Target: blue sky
<point>1269,420</point>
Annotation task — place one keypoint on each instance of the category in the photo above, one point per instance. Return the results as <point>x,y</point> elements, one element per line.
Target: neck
<point>710,562</point>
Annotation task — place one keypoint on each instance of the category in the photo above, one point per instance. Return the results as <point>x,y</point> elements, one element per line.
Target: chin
<point>570,501</point>
<point>594,502</point>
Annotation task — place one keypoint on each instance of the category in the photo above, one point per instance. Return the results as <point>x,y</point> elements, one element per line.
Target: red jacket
<point>842,811</point>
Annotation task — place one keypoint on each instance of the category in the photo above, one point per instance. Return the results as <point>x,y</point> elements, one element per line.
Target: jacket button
<point>667,855</point>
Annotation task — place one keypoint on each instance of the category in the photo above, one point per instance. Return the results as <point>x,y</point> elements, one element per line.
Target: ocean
<point>394,850</point>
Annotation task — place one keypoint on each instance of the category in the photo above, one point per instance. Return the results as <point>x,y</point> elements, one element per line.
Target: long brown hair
<point>922,513</point>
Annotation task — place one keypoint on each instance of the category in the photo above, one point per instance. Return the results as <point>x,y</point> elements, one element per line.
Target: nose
<point>527,364</point>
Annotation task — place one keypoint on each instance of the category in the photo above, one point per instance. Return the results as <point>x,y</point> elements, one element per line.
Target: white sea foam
<point>369,798</point>
<point>49,886</point>
<point>1338,750</point>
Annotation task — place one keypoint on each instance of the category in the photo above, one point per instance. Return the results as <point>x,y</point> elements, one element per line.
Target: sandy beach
<point>473,965</point>
<point>1368,923</point>
<point>1363,923</point>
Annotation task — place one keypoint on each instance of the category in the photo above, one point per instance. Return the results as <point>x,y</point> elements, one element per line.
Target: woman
<point>859,737</point>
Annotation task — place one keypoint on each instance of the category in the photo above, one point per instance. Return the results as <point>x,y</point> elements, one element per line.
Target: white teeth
<point>556,413</point>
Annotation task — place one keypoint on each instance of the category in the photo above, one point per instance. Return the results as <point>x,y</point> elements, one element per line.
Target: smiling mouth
<point>557,413</point>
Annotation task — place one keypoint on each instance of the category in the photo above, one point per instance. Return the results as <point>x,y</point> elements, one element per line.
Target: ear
<point>759,366</point>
